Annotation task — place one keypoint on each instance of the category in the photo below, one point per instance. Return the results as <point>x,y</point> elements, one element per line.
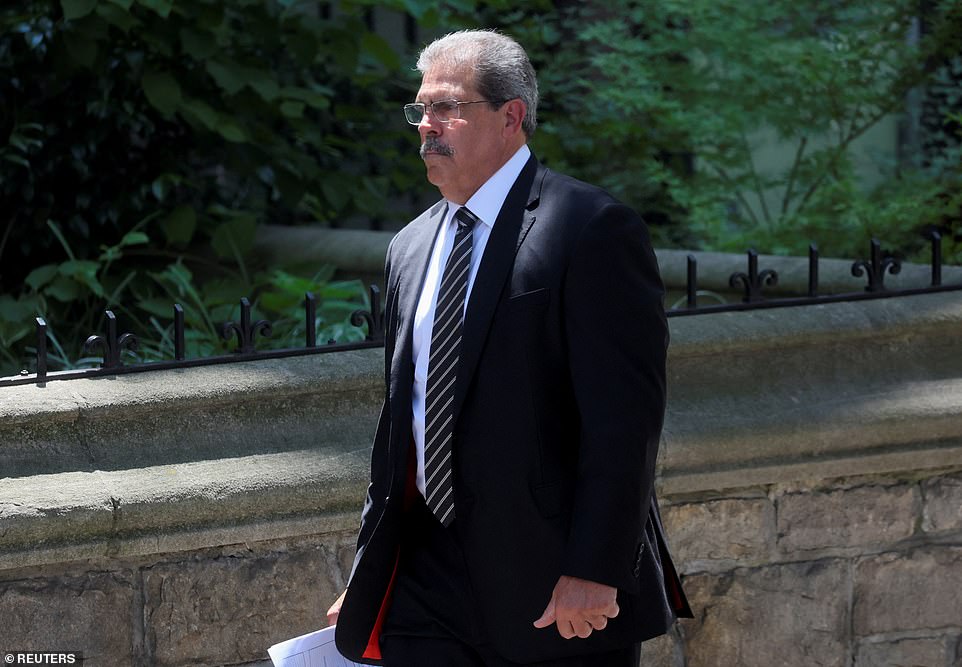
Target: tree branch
<point>756,180</point>
<point>731,182</point>
<point>787,198</point>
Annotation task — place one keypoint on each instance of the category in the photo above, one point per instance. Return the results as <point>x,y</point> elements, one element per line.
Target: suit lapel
<point>414,258</point>
<point>513,223</point>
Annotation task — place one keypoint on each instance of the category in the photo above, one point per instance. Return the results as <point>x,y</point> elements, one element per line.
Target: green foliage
<point>670,103</point>
<point>210,112</point>
<point>185,124</point>
<point>145,307</point>
<point>142,142</point>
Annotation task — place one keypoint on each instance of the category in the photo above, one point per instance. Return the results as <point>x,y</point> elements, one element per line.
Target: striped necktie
<point>442,372</point>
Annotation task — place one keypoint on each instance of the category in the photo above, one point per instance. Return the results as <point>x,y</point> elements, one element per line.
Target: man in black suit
<point>511,517</point>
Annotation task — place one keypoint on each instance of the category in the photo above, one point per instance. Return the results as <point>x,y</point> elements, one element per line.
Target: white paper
<point>315,649</point>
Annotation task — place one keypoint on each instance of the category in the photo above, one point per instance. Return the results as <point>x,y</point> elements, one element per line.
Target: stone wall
<point>851,571</point>
<point>811,471</point>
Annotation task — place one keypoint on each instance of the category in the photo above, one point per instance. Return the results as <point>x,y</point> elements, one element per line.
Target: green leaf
<point>13,332</point>
<point>264,85</point>
<point>164,184</point>
<point>234,238</point>
<point>229,78</point>
<point>133,238</point>
<point>124,4</point>
<point>41,276</point>
<point>16,159</point>
<point>55,228</point>
<point>231,130</point>
<point>75,9</point>
<point>201,112</point>
<point>118,17</point>
<point>232,78</point>
<point>15,311</point>
<point>378,47</point>
<point>83,271</point>
<point>162,91</point>
<point>316,99</point>
<point>180,225</point>
<point>63,289</point>
<point>292,109</point>
<point>416,8</point>
<point>162,7</point>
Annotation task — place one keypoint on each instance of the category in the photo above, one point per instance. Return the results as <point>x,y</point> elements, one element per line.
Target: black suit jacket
<point>559,405</point>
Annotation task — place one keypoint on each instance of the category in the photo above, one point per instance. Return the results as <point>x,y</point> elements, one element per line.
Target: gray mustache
<point>434,145</point>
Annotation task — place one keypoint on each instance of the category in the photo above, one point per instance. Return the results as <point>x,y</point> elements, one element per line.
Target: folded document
<point>315,649</point>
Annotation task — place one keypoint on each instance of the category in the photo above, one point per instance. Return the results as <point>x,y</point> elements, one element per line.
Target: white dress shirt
<point>486,204</point>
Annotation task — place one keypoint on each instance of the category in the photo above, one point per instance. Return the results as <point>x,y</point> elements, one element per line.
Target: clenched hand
<point>578,607</point>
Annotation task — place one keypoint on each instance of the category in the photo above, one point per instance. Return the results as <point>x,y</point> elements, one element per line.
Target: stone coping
<point>362,252</point>
<point>122,422</point>
<point>174,460</point>
<point>185,506</point>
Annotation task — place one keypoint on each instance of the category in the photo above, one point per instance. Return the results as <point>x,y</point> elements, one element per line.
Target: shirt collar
<point>486,203</point>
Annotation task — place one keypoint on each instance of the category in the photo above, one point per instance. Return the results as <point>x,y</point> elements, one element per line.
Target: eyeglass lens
<point>442,110</point>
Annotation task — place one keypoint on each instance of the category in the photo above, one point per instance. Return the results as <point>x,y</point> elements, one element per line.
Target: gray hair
<point>501,67</point>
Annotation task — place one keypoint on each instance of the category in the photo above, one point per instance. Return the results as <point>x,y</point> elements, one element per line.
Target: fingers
<point>547,617</point>
<point>579,607</point>
<point>335,609</point>
<point>581,628</point>
<point>598,622</point>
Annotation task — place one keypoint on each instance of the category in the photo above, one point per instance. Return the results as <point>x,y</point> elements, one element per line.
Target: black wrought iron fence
<point>751,283</point>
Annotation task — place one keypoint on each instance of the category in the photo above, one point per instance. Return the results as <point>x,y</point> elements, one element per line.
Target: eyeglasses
<point>444,111</point>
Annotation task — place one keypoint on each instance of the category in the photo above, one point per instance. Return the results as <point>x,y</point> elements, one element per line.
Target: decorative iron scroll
<point>245,331</point>
<point>374,317</point>
<point>112,346</point>
<point>754,279</point>
<point>876,268</point>
<point>751,282</point>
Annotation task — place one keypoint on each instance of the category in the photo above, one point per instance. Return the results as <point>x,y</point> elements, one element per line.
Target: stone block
<point>909,652</point>
<point>730,529</point>
<point>664,651</point>
<point>231,609</point>
<point>897,592</point>
<point>94,613</point>
<point>792,615</point>
<point>864,516</point>
<point>942,511</point>
<point>345,560</point>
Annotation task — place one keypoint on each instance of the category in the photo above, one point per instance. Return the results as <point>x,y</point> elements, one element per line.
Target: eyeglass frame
<point>458,103</point>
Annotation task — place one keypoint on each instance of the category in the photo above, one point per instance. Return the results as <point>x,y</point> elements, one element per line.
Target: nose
<point>428,124</point>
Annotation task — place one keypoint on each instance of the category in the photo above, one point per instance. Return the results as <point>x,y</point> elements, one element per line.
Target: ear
<point>514,112</point>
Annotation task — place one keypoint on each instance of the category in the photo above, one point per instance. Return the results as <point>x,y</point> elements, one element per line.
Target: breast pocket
<point>530,299</point>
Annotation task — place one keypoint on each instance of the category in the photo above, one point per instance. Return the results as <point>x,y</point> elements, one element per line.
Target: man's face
<point>461,154</point>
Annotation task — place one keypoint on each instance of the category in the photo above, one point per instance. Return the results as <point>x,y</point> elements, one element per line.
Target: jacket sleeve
<point>618,337</point>
<point>380,473</point>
